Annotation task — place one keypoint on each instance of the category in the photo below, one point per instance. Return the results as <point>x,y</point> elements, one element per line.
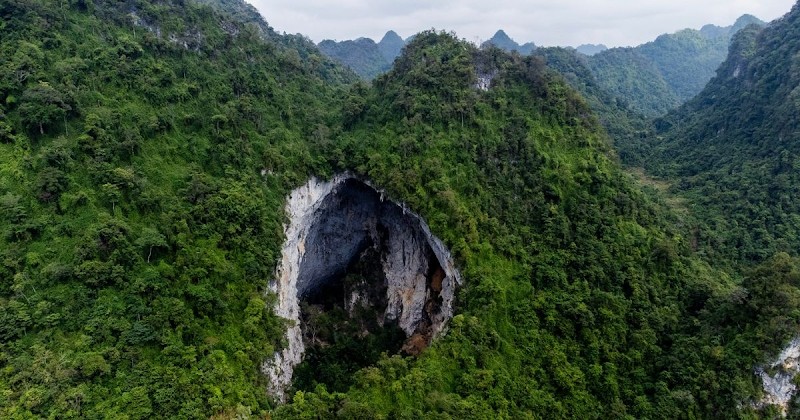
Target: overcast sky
<point>552,22</point>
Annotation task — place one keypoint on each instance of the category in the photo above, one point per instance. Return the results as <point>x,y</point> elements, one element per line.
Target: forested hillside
<point>138,232</point>
<point>660,75</point>
<point>362,55</point>
<point>365,57</point>
<point>734,150</point>
<point>626,127</point>
<point>581,297</point>
<point>146,152</point>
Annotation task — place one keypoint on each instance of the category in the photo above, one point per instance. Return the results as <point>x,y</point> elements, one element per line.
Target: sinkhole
<point>359,275</point>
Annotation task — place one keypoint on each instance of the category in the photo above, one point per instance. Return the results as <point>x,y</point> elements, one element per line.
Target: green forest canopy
<point>139,231</point>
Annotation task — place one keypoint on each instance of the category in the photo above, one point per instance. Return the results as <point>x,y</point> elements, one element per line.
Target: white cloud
<point>561,22</point>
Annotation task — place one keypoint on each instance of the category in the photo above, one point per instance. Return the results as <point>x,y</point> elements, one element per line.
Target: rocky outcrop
<point>485,80</point>
<point>778,377</point>
<point>332,224</point>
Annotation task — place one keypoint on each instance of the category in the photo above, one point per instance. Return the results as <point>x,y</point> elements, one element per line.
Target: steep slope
<point>627,74</point>
<point>660,75</point>
<point>391,45</point>
<point>734,148</point>
<point>245,13</point>
<point>501,40</point>
<point>685,61</point>
<point>146,151</point>
<point>363,56</point>
<point>742,22</point>
<point>624,126</point>
<point>580,298</point>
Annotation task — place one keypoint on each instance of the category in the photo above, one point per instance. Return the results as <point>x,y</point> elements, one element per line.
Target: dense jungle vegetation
<point>625,127</point>
<point>733,151</point>
<point>657,76</point>
<point>138,233</point>
<point>649,79</point>
<point>146,150</point>
<point>362,55</point>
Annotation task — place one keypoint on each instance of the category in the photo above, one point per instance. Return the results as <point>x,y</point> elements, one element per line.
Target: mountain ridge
<point>391,45</point>
<point>738,138</point>
<point>501,40</point>
<point>363,55</point>
<point>661,74</point>
<point>366,57</point>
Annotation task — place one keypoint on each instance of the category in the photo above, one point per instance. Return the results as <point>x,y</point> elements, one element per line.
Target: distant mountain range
<point>391,45</point>
<point>734,149</point>
<point>504,42</point>
<point>590,49</point>
<point>626,86</point>
<point>369,59</point>
<point>363,55</point>
<point>660,75</point>
<point>651,78</point>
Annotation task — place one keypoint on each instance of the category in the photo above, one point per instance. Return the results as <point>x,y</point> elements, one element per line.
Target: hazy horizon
<point>565,23</point>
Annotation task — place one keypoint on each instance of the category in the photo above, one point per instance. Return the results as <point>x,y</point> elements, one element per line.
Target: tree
<point>51,183</point>
<point>6,132</point>
<point>151,238</point>
<point>12,207</point>
<point>42,105</point>
<point>111,193</point>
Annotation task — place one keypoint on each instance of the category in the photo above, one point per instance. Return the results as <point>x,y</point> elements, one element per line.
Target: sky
<point>547,23</point>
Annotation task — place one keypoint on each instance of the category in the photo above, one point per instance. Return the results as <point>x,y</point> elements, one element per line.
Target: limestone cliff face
<point>778,377</point>
<point>331,224</point>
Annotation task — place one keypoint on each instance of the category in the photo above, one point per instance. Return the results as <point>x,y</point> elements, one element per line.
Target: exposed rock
<point>484,81</point>
<point>331,225</point>
<point>779,386</point>
<point>191,39</point>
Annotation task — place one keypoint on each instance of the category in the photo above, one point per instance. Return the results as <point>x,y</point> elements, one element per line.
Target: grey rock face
<point>779,387</point>
<point>331,225</point>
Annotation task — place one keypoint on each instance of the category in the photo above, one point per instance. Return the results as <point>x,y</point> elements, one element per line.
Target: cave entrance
<point>360,276</point>
<point>344,326</point>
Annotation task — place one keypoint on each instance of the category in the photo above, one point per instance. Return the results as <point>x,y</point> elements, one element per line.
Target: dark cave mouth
<point>360,276</point>
<point>344,327</point>
<point>348,292</point>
